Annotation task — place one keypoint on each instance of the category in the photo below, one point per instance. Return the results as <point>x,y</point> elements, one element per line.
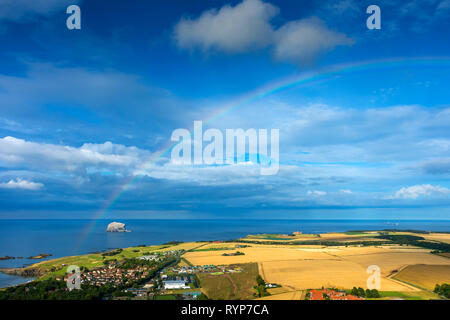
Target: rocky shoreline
<point>22,272</point>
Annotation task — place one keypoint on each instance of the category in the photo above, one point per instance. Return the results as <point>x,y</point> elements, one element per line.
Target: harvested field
<point>392,260</point>
<point>255,253</point>
<point>424,275</point>
<point>307,274</point>
<point>442,237</point>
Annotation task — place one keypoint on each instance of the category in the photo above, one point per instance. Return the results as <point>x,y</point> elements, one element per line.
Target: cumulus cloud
<point>231,29</point>
<point>304,40</point>
<point>15,152</point>
<point>19,10</point>
<point>21,184</point>
<point>247,27</point>
<point>416,191</point>
<point>115,158</point>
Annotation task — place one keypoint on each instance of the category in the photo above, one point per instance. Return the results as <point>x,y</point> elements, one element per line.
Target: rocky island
<point>116,227</point>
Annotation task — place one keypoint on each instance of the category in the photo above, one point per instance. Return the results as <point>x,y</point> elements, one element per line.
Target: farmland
<point>293,264</point>
<point>425,276</point>
<point>298,267</point>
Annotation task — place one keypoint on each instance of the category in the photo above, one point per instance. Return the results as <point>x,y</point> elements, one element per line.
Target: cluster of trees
<point>417,241</point>
<point>106,262</point>
<point>261,290</point>
<point>360,292</point>
<point>237,253</point>
<point>52,289</point>
<point>133,263</point>
<point>443,290</point>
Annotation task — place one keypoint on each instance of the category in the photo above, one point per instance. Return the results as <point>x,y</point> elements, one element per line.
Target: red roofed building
<point>326,294</point>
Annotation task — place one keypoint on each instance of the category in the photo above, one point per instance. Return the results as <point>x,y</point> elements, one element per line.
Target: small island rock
<point>116,227</point>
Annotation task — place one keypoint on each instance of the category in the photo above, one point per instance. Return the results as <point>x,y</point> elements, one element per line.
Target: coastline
<point>62,237</point>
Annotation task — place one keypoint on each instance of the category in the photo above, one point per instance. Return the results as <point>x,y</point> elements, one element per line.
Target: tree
<point>260,280</point>
<point>361,292</point>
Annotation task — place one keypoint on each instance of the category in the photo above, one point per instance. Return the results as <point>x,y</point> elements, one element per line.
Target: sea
<point>65,237</point>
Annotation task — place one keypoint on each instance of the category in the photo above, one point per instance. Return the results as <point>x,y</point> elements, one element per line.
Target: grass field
<point>185,246</point>
<point>399,295</point>
<point>424,275</point>
<point>234,286</point>
<point>291,295</point>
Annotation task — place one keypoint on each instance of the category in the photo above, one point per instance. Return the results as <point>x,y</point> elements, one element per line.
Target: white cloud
<point>346,191</point>
<point>247,27</point>
<point>316,193</point>
<point>21,184</point>
<point>231,29</point>
<point>303,40</point>
<point>416,191</point>
<point>16,152</point>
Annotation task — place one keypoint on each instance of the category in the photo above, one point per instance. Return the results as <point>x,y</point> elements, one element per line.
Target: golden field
<point>304,267</point>
<point>425,276</point>
<point>442,237</point>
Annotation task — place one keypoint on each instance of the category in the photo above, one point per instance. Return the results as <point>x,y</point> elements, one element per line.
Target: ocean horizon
<point>65,237</point>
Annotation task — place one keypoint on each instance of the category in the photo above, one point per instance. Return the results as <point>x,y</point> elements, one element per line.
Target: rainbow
<point>322,74</point>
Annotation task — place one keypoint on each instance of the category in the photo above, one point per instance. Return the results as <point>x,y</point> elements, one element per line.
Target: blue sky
<point>81,111</point>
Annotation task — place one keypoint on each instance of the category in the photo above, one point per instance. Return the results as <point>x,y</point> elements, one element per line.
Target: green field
<point>165,297</point>
<point>231,286</point>
<point>418,295</point>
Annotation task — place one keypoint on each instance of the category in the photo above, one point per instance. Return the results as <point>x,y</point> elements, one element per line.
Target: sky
<point>363,115</point>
